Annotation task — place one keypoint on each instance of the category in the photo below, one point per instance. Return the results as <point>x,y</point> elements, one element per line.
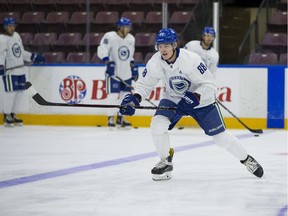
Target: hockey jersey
<point>118,49</point>
<point>12,53</point>
<point>210,56</point>
<point>187,73</point>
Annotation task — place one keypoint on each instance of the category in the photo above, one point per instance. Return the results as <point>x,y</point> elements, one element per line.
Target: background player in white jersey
<point>190,87</point>
<point>116,50</point>
<point>12,57</point>
<point>205,50</point>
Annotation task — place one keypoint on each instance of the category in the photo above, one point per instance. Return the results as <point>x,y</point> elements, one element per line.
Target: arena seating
<point>94,41</point>
<point>95,59</point>
<point>78,20</point>
<point>278,22</point>
<point>54,57</point>
<point>263,59</point>
<point>274,42</point>
<point>67,42</point>
<point>43,41</point>
<point>56,21</point>
<point>59,26</point>
<point>15,15</point>
<point>105,21</point>
<point>27,38</point>
<point>31,22</point>
<point>283,59</point>
<point>77,57</point>
<point>138,57</point>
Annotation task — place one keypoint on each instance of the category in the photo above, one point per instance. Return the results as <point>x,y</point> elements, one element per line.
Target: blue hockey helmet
<point>9,21</point>
<point>209,30</point>
<point>166,36</point>
<point>124,22</point>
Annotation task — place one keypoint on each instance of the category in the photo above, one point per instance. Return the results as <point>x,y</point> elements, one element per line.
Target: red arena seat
<point>54,57</point>
<point>263,58</point>
<point>105,20</point>
<point>15,15</point>
<point>56,21</point>
<point>31,22</point>
<point>283,59</point>
<point>274,42</point>
<point>77,57</point>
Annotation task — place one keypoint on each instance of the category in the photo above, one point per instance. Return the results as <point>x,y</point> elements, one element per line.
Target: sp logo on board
<point>72,90</point>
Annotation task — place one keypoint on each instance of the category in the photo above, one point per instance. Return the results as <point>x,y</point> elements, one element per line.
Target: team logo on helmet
<point>124,22</point>
<point>209,30</point>
<point>9,21</point>
<point>166,36</point>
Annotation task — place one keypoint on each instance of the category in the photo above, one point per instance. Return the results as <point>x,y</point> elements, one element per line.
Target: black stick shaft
<point>250,129</point>
<point>41,101</point>
<point>132,88</point>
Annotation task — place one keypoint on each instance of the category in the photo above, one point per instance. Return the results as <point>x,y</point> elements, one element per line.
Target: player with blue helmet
<point>189,88</point>
<point>12,58</point>
<point>204,48</point>
<point>169,37</point>
<point>116,50</point>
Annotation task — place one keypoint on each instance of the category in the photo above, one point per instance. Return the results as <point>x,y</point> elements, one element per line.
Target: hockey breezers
<point>41,101</point>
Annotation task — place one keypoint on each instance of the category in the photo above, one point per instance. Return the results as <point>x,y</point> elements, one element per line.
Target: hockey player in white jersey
<point>204,49</point>
<point>12,57</point>
<point>190,88</point>
<point>116,50</point>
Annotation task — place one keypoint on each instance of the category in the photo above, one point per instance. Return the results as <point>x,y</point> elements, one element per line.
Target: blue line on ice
<point>62,172</point>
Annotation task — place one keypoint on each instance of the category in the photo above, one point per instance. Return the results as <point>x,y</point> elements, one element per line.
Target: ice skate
<point>121,123</point>
<point>162,170</point>
<point>111,124</point>
<point>17,121</point>
<point>253,166</point>
<point>8,120</point>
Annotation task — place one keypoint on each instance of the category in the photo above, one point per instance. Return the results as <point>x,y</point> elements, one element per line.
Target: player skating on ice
<point>12,58</point>
<point>116,50</point>
<point>190,87</point>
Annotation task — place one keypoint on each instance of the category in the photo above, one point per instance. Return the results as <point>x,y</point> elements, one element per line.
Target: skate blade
<point>119,127</point>
<point>162,177</point>
<point>18,124</point>
<point>8,125</point>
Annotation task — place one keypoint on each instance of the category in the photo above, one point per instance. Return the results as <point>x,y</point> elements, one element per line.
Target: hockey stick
<point>132,88</point>
<point>19,66</point>
<point>41,101</point>
<point>258,131</point>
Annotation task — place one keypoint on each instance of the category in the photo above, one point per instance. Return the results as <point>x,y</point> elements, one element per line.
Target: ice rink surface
<point>91,171</point>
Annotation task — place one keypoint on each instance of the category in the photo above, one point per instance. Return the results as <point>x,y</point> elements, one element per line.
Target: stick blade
<point>257,131</point>
<point>34,94</point>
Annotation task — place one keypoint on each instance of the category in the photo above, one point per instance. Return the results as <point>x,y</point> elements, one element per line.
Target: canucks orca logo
<point>179,84</point>
<point>16,50</point>
<point>123,53</point>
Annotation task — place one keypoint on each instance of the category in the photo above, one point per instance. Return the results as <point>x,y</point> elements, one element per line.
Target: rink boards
<point>257,95</point>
